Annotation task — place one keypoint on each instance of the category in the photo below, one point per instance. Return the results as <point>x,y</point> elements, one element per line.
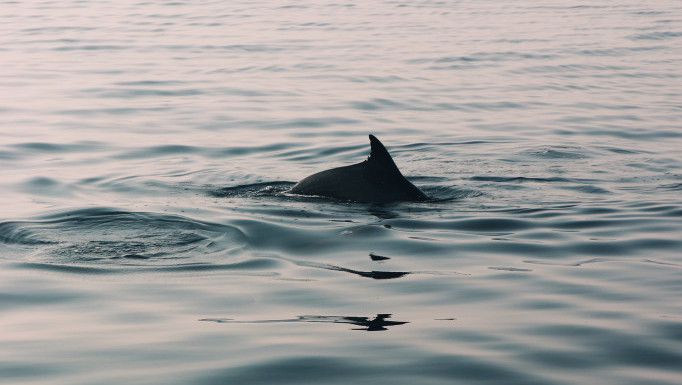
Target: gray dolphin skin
<point>376,180</point>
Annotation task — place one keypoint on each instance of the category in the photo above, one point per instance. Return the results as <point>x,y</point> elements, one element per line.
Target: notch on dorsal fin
<point>379,155</point>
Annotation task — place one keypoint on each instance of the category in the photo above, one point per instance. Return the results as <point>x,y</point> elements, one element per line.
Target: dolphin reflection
<point>378,323</point>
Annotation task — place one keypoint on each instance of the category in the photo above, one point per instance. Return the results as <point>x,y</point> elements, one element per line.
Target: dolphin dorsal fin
<point>380,156</point>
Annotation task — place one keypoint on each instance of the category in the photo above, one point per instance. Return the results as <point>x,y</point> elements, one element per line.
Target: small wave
<point>624,151</point>
<point>254,190</point>
<point>600,260</point>
<point>112,111</point>
<point>42,147</point>
<point>205,151</point>
<point>141,92</point>
<point>518,179</point>
<point>589,189</point>
<point>491,225</point>
<point>664,35</point>
<point>41,185</point>
<point>442,194</point>
<point>308,122</point>
<point>557,153</point>
<point>151,83</point>
<point>17,233</point>
<point>92,47</point>
<point>380,104</point>
<point>672,186</point>
<point>248,266</point>
<point>53,29</point>
<point>63,268</point>
<point>109,235</point>
<point>28,151</point>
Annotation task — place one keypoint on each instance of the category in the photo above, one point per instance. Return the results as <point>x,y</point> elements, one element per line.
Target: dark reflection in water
<point>367,274</point>
<point>372,274</point>
<point>378,323</point>
<point>377,257</point>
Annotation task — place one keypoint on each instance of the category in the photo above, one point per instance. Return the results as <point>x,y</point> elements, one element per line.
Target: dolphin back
<point>376,180</point>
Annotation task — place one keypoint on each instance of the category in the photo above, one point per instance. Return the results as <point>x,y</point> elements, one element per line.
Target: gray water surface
<point>147,236</point>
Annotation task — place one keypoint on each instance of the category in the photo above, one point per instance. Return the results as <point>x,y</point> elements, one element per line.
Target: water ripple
<point>106,235</point>
<point>147,149</point>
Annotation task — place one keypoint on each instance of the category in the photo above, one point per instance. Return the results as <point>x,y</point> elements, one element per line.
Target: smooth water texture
<point>147,236</point>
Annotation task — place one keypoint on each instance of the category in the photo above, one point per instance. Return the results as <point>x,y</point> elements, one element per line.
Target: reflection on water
<point>147,149</point>
<point>367,274</point>
<point>376,257</point>
<point>378,323</point>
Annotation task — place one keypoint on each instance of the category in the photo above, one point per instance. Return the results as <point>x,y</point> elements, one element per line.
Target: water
<point>147,237</point>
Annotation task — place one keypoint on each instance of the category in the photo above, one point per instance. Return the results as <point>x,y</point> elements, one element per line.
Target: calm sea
<point>147,237</point>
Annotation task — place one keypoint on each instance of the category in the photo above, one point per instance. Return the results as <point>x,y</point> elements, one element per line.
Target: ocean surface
<point>147,236</point>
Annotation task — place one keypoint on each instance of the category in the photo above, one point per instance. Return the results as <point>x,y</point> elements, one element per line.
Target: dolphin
<point>376,180</point>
